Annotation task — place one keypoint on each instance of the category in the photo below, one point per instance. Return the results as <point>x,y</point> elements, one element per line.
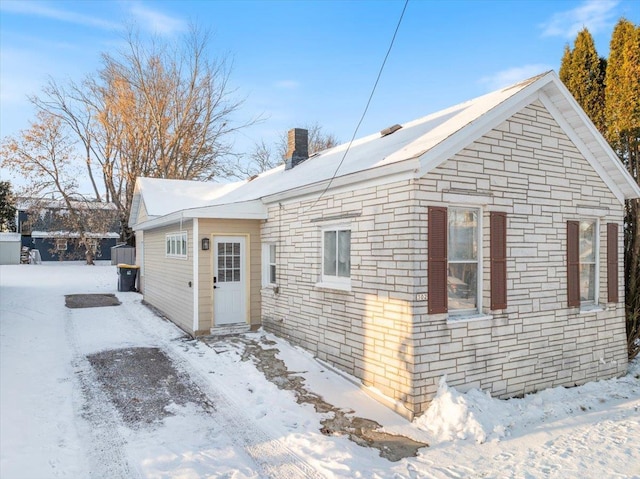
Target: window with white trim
<point>61,244</point>
<point>588,251</point>
<point>462,259</point>
<point>268,264</point>
<point>176,245</point>
<point>336,256</point>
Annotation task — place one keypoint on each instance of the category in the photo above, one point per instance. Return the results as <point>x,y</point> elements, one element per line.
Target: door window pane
<point>229,262</point>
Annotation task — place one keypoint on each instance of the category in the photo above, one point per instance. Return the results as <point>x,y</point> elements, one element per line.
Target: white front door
<point>229,282</point>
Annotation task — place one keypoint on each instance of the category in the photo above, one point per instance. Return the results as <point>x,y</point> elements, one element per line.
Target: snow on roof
<point>71,234</point>
<point>374,151</point>
<point>415,149</point>
<point>162,196</point>
<point>9,237</point>
<point>24,204</point>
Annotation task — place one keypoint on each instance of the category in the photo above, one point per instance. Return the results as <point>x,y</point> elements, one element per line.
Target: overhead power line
<point>366,108</point>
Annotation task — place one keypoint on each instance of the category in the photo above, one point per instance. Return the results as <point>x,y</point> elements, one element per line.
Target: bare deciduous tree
<point>46,157</point>
<point>154,109</point>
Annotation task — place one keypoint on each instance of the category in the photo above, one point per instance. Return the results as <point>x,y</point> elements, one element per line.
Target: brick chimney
<point>297,147</point>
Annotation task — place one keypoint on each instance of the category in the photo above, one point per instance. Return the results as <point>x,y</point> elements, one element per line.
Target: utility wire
<point>366,108</point>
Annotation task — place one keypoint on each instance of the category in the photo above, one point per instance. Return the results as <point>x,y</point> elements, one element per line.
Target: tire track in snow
<point>98,420</point>
<point>270,455</point>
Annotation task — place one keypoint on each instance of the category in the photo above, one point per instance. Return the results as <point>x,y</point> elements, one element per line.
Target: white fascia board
<point>615,187</point>
<point>398,171</point>
<point>135,204</point>
<point>455,143</point>
<point>624,186</point>
<point>246,210</point>
<point>169,219</point>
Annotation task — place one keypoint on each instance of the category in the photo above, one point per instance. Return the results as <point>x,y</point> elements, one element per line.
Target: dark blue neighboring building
<point>43,228</point>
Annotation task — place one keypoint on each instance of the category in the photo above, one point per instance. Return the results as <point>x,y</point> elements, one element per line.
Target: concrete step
<point>229,329</point>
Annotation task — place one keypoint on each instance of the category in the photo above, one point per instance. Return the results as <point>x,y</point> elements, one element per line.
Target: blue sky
<point>302,62</point>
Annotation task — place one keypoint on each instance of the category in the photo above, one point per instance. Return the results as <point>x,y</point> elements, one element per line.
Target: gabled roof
<point>421,145</point>
<point>161,196</point>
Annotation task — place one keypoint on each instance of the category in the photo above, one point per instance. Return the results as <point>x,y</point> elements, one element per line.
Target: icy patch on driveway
<point>144,385</point>
<point>90,300</point>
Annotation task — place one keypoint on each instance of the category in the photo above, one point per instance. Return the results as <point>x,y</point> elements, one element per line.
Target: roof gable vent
<point>390,130</point>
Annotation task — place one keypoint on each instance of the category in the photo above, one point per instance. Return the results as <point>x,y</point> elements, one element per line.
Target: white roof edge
<point>448,147</point>
<point>8,236</point>
<point>397,171</point>
<point>135,204</point>
<point>628,193</point>
<point>466,135</point>
<point>248,210</point>
<point>586,153</point>
<point>71,234</point>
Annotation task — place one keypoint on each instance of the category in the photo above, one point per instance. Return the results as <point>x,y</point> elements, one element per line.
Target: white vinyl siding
<point>167,280</point>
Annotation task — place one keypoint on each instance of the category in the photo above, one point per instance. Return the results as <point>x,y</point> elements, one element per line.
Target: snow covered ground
<point>57,421</point>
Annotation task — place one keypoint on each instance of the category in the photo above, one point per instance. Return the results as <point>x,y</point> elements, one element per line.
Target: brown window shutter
<point>498,259</point>
<point>612,262</point>
<point>437,260</point>
<point>573,264</point>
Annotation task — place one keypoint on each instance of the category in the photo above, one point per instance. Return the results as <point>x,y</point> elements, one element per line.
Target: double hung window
<point>454,266</point>
<point>588,262</point>
<point>268,264</point>
<point>336,256</point>
<point>462,280</point>
<point>582,263</point>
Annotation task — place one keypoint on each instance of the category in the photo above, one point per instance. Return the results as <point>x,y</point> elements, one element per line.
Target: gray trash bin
<point>127,274</point>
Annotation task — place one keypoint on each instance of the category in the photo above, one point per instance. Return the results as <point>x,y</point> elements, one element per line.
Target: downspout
<point>196,304</point>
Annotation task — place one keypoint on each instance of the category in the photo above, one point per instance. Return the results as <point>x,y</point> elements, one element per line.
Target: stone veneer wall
<point>381,333</point>
<point>366,332</point>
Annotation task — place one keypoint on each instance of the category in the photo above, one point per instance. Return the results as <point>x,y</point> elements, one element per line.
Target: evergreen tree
<point>7,207</point>
<point>583,73</point>
<point>565,67</point>
<point>622,115</point>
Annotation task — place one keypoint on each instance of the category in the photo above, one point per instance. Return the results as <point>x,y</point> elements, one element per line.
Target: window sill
<point>591,308</point>
<point>334,286</point>
<point>463,318</point>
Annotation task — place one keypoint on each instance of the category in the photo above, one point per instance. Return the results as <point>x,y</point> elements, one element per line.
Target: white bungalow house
<point>483,242</point>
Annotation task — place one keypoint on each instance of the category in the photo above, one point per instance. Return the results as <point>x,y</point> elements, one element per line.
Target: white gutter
<point>249,210</point>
